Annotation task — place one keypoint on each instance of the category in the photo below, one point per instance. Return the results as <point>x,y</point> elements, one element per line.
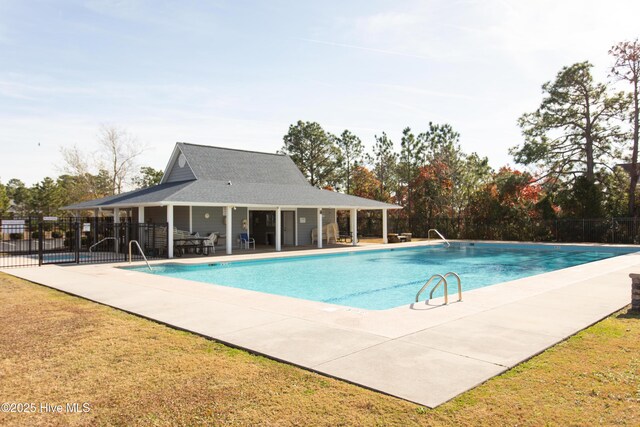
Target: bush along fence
<point>565,230</point>
<point>52,240</point>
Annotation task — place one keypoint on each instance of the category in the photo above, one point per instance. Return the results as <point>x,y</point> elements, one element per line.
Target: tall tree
<point>584,199</point>
<point>314,152</point>
<point>614,192</point>
<point>147,177</point>
<point>116,156</point>
<point>411,158</point>
<point>383,159</point>
<point>575,128</point>
<point>466,173</point>
<point>45,198</point>
<point>351,151</point>
<point>79,182</point>
<point>19,195</point>
<point>627,67</point>
<point>4,200</point>
<point>365,183</point>
<point>503,209</point>
<point>120,151</point>
<point>80,188</point>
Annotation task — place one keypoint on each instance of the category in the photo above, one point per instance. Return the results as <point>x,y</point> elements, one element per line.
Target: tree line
<point>572,148</point>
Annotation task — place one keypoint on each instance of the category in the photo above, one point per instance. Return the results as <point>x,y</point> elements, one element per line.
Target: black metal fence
<point>567,230</point>
<point>32,241</point>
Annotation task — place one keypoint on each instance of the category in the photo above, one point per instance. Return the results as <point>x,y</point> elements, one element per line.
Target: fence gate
<point>52,240</point>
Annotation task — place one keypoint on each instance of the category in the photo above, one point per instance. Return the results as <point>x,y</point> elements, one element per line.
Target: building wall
<point>215,222</point>
<point>205,226</point>
<point>155,214</point>
<point>328,216</point>
<point>304,230</point>
<point>181,217</point>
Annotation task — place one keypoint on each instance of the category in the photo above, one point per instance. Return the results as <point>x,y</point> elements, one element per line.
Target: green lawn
<point>60,349</point>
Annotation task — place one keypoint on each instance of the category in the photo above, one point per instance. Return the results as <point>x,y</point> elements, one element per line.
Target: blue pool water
<point>60,257</point>
<point>382,279</point>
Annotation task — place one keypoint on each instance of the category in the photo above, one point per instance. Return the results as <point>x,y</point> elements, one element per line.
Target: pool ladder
<point>131,242</point>
<point>439,235</point>
<point>443,279</point>
<point>101,241</point>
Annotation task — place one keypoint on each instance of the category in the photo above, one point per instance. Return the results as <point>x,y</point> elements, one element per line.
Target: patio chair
<point>245,241</point>
<point>332,232</point>
<point>209,245</point>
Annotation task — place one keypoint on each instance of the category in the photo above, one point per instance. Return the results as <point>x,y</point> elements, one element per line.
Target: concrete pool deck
<point>424,353</point>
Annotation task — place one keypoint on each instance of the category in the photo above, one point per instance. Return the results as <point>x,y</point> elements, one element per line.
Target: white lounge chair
<point>330,232</point>
<point>209,245</point>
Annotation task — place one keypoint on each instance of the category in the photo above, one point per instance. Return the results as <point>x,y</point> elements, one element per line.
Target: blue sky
<point>237,73</point>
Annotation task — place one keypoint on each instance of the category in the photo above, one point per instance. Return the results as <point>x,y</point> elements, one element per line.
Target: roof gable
<point>224,164</point>
<point>178,169</point>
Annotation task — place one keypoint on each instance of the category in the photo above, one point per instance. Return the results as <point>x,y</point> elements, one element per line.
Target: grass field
<point>59,349</point>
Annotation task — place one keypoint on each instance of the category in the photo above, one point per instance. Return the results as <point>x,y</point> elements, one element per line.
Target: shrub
<point>35,234</point>
<point>56,234</point>
<point>16,236</point>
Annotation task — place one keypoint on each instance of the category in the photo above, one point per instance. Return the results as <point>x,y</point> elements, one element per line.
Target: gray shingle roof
<point>225,164</point>
<point>257,179</point>
<point>157,193</point>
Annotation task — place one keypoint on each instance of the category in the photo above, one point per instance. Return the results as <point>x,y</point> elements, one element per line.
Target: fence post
<point>613,232</point>
<point>78,236</point>
<point>30,235</point>
<point>40,244</point>
<point>126,240</point>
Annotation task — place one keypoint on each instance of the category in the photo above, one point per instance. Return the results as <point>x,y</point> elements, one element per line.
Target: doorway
<point>288,228</point>
<point>263,227</point>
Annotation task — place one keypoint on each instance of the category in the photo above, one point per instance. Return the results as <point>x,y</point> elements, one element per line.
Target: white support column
<point>170,231</point>
<point>116,234</point>
<point>295,226</point>
<point>190,219</point>
<point>143,233</point>
<point>248,230</point>
<point>229,239</point>
<point>319,229</point>
<point>96,214</point>
<point>354,226</point>
<point>278,229</point>
<point>384,226</point>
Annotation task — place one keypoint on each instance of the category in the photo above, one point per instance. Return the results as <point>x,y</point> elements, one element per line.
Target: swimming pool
<point>382,279</point>
<point>61,257</point>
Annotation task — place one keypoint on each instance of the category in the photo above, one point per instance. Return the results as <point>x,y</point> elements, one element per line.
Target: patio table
<point>195,244</point>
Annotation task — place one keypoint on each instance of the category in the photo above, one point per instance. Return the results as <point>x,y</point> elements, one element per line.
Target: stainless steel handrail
<point>446,294</point>
<point>438,233</point>
<point>431,279</point>
<point>103,240</point>
<point>141,252</point>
